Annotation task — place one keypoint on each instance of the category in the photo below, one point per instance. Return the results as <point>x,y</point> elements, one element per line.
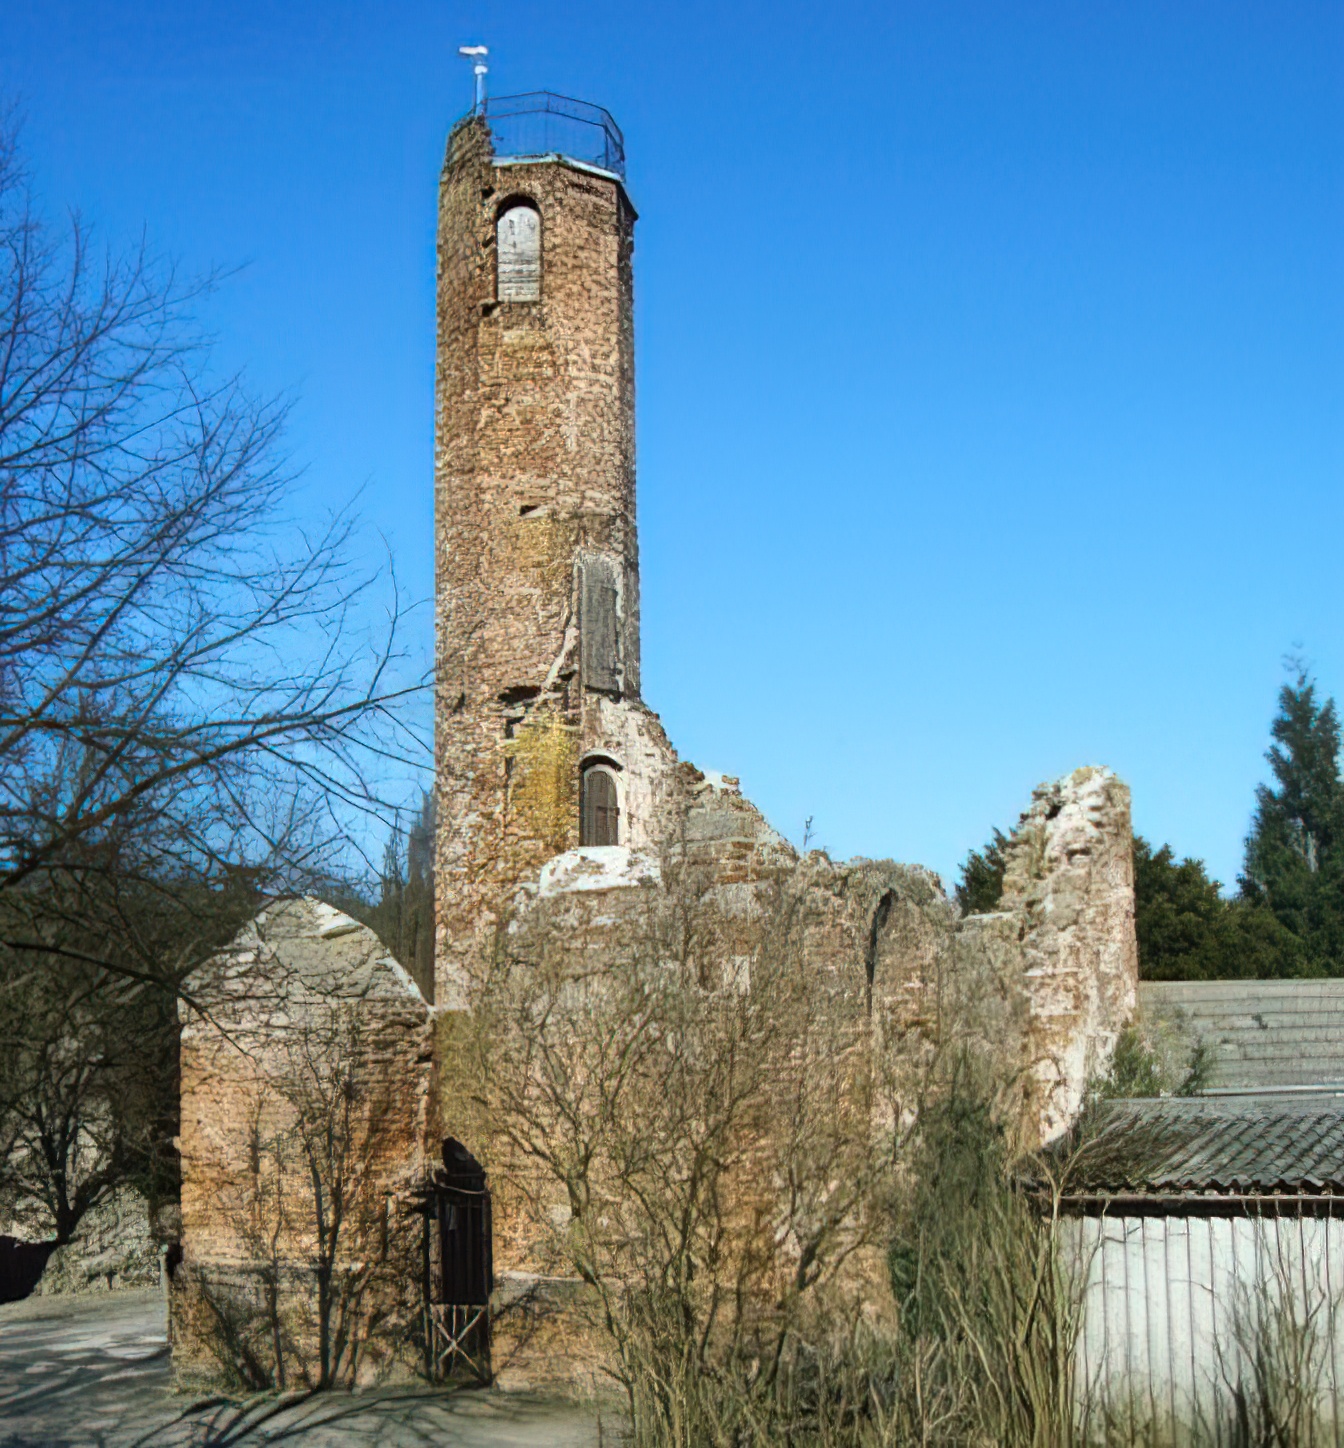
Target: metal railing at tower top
<point>542,124</point>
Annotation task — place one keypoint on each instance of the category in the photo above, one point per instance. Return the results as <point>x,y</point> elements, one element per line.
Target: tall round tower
<point>541,743</point>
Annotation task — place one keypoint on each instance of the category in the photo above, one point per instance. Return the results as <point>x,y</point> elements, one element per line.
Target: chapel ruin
<point>567,821</point>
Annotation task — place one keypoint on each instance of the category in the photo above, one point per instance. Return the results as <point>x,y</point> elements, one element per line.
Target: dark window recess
<point>517,694</point>
<point>880,917</point>
<point>21,1264</point>
<point>600,814</point>
<point>599,626</point>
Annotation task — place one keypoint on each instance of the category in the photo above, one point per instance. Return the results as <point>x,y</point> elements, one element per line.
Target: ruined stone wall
<point>535,508</point>
<point>305,1107</point>
<point>1045,984</point>
<point>584,1089</point>
<point>1041,988</point>
<point>1035,994</point>
<point>537,575</point>
<point>116,1245</point>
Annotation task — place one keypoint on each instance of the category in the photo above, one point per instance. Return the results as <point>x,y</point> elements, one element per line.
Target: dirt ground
<point>94,1370</point>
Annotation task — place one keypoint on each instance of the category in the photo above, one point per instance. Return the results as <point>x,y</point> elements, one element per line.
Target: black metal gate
<point>458,1267</point>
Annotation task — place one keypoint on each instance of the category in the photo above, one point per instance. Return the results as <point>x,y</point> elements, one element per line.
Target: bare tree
<point>404,915</point>
<point>197,695</point>
<point>88,1054</point>
<point>679,1110</point>
<point>338,1116</point>
<point>188,683</point>
<point>797,1222</point>
<point>86,1086</point>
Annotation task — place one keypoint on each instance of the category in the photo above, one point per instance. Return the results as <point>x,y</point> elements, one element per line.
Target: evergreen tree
<point>981,882</point>
<point>1288,919</point>
<point>1187,931</point>
<point>1177,912</point>
<point>1295,851</point>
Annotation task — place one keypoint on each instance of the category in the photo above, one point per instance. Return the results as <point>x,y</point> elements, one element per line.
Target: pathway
<point>93,1372</point>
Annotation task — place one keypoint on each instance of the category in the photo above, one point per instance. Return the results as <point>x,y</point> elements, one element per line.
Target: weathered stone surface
<point>113,1248</point>
<point>1070,879</point>
<point>538,648</point>
<point>305,1100</point>
<point>1044,985</point>
<point>537,558</point>
<point>537,618</point>
<point>900,988</point>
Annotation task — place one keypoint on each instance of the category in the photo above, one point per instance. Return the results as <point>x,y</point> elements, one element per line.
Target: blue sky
<point>991,356</point>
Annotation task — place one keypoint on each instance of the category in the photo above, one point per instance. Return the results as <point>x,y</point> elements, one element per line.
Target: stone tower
<point>541,743</point>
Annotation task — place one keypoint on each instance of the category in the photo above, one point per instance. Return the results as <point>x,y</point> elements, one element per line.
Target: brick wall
<point>537,563</point>
<point>305,1106</point>
<point>534,491</point>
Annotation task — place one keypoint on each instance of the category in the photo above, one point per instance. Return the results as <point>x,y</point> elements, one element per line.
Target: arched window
<point>518,254</point>
<point>880,917</point>
<point>599,813</point>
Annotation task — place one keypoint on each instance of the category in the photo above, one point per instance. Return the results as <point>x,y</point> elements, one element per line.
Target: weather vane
<point>476,54</point>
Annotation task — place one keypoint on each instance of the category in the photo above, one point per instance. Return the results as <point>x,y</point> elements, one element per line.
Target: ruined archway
<point>880,917</point>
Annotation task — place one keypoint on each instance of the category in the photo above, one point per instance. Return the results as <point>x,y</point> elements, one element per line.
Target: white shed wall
<point>1169,1303</point>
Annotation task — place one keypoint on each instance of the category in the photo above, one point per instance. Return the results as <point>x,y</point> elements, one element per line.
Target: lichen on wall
<point>534,472</point>
<point>542,765</point>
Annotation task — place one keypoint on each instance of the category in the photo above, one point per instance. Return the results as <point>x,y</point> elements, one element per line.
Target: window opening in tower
<point>518,253</point>
<point>599,815</point>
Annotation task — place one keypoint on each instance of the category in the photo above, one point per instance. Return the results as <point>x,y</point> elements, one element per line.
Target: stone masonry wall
<point>1036,992</point>
<point>1070,881</point>
<point>1042,987</point>
<point>534,500</point>
<point>305,1107</point>
<point>535,483</point>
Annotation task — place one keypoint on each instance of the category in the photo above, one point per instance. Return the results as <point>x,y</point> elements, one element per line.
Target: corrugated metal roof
<point>1182,1145</point>
<point>1260,1034</point>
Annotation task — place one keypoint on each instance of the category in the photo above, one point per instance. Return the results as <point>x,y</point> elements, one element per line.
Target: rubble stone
<point>536,535</point>
<point>113,1248</point>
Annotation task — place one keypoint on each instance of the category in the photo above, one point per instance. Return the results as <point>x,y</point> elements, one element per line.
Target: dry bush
<point>678,1107</point>
<point>1274,1386</point>
<point>989,1289</point>
<point>678,1114</point>
<point>1277,1368</point>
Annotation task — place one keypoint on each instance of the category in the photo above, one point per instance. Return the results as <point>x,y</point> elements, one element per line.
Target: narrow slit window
<point>518,254</point>
<point>600,814</point>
